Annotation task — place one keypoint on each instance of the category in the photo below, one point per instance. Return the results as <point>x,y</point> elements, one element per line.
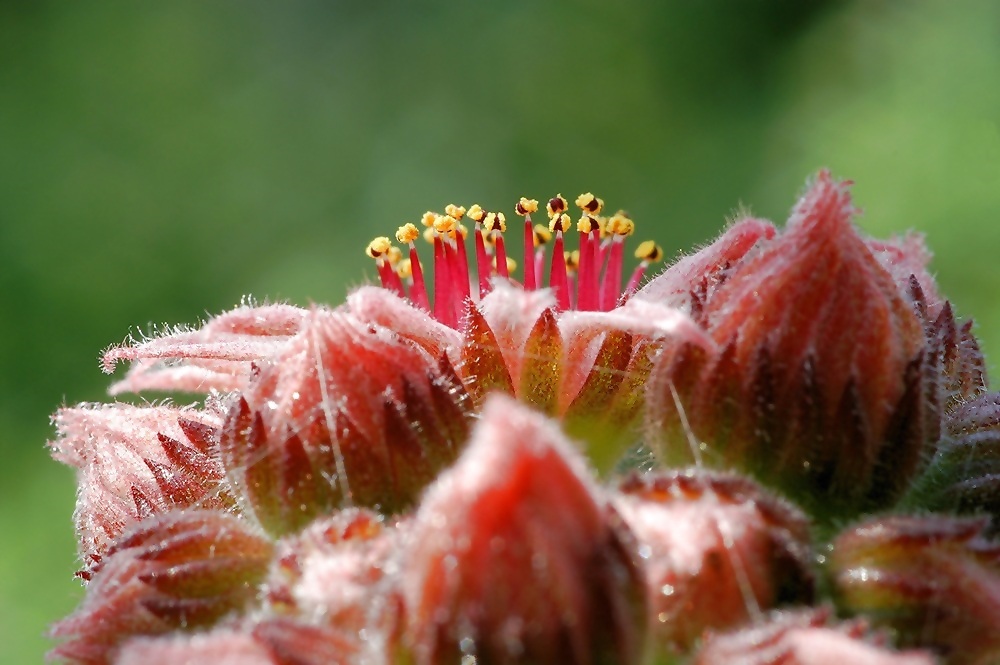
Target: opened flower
<point>561,461</point>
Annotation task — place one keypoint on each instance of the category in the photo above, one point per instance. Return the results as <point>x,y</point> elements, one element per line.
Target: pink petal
<point>709,267</point>
<point>221,349</point>
<point>112,446</point>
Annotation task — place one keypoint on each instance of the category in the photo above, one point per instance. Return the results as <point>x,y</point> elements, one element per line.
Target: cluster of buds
<point>566,467</point>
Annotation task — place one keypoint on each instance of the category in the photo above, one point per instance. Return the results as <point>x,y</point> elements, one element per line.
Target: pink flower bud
<point>934,580</point>
<point>821,384</point>
<point>803,638</point>
<point>341,572</point>
<point>515,557</point>
<point>716,549</point>
<point>273,641</point>
<point>690,282</point>
<point>134,462</point>
<point>184,569</point>
<point>349,412</point>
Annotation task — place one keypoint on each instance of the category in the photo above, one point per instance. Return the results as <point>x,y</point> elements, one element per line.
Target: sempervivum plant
<point>781,449</point>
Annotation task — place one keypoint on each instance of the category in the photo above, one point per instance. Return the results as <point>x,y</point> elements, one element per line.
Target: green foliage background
<point>160,160</point>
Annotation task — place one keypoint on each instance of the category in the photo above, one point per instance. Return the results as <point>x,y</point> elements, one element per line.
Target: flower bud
<point>690,282</point>
<point>515,557</point>
<point>349,413</point>
<point>341,573</point>
<point>716,551</point>
<point>803,638</point>
<point>821,384</point>
<point>934,580</point>
<point>273,641</point>
<point>134,462</point>
<point>181,570</point>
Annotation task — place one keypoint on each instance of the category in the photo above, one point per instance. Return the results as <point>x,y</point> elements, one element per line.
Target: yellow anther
<point>445,224</point>
<point>394,255</point>
<point>458,212</point>
<point>476,213</point>
<point>556,206</point>
<point>572,260</point>
<point>378,247</point>
<point>620,225</point>
<point>589,203</point>
<point>495,221</point>
<point>526,206</point>
<point>649,251</point>
<point>560,223</point>
<point>429,218</point>
<point>511,265</point>
<point>463,230</point>
<point>587,224</point>
<point>430,234</point>
<point>404,269</point>
<point>542,235</point>
<point>407,233</point>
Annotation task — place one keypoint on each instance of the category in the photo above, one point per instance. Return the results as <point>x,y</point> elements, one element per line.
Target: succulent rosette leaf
<point>964,474</point>
<point>557,463</point>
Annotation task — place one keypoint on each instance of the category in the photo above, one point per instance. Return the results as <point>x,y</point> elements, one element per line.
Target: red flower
<point>331,501</point>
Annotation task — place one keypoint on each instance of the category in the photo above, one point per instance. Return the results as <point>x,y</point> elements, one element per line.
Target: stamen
<point>477,214</point>
<point>463,261</point>
<point>647,252</point>
<point>380,249</point>
<point>589,203</point>
<point>457,286</point>
<point>541,236</point>
<point>497,224</point>
<point>524,208</point>
<point>587,293</point>
<point>407,234</point>
<point>587,279</point>
<point>558,280</point>
<point>405,271</point>
<point>572,260</point>
<point>443,309</point>
<point>619,227</point>
<point>556,206</point>
<point>511,264</point>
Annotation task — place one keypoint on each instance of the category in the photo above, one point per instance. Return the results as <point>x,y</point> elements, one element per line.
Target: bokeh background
<point>160,160</point>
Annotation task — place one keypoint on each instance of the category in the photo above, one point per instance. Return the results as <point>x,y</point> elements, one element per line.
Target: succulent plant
<point>780,449</point>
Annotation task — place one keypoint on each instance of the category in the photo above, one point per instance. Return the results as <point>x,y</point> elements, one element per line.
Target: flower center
<point>587,279</point>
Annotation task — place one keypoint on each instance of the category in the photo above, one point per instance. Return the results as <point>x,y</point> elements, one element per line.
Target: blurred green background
<point>160,160</point>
